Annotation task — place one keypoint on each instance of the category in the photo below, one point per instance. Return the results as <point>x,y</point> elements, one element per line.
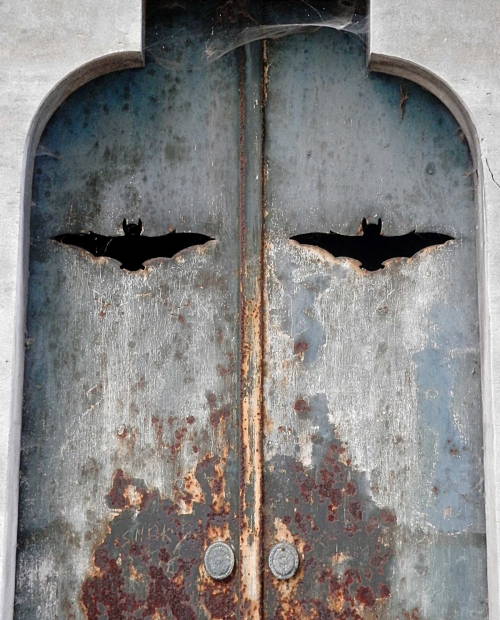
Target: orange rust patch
<point>300,347</point>
<point>191,493</point>
<point>286,589</point>
<point>133,496</point>
<point>328,509</point>
<point>148,561</point>
<point>218,414</point>
<point>219,601</point>
<point>301,406</point>
<point>218,532</point>
<point>135,575</point>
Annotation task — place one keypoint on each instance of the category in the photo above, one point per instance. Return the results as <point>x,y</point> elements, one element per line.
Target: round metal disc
<point>219,560</point>
<point>283,560</point>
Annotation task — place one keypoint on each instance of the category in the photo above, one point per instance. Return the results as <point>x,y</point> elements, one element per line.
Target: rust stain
<point>301,407</point>
<point>217,414</point>
<point>122,492</point>
<point>178,435</point>
<point>252,279</point>
<point>286,589</point>
<point>414,614</point>
<point>158,426</point>
<point>122,432</point>
<point>345,542</point>
<point>251,453</point>
<point>149,560</point>
<point>282,531</point>
<point>265,94</point>
<point>133,496</point>
<point>218,532</point>
<point>300,347</point>
<point>189,494</point>
<point>224,371</point>
<point>219,602</point>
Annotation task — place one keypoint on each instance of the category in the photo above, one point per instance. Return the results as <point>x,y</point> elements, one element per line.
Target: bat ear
<point>379,225</point>
<point>363,224</point>
<point>124,223</point>
<point>139,224</point>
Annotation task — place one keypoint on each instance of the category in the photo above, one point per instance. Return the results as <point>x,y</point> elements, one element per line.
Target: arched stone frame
<point>455,56</point>
<point>403,66</point>
<point>431,82</point>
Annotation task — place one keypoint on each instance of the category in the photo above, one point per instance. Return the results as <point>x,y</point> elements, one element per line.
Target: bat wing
<point>337,245</point>
<point>166,246</point>
<point>408,245</point>
<point>98,245</point>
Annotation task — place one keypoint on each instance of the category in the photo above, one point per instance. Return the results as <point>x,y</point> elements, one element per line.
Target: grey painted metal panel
<point>129,467</point>
<point>374,443</point>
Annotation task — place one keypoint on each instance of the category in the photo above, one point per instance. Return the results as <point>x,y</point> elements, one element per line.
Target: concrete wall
<point>49,49</point>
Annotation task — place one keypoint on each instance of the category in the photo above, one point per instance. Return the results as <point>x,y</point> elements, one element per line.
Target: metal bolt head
<point>283,560</point>
<point>219,560</point>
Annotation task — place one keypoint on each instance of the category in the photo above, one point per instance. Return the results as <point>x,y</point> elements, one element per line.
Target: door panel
<point>373,441</point>
<point>132,401</point>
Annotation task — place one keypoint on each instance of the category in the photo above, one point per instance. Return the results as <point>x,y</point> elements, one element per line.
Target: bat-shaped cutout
<point>132,249</point>
<point>371,248</point>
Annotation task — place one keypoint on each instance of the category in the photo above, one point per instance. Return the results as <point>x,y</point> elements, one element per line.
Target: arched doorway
<point>252,390</point>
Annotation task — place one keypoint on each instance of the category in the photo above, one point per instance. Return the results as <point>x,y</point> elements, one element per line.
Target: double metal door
<point>251,390</point>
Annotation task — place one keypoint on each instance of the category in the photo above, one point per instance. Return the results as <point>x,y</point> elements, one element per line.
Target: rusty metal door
<point>130,459</point>
<point>373,439</point>
<point>321,419</point>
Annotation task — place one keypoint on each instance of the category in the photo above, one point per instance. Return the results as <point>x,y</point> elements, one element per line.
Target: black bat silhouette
<point>372,248</point>
<point>133,248</point>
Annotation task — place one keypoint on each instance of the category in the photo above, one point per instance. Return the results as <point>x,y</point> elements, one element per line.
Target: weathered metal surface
<point>373,461</point>
<point>251,301</point>
<point>149,430</point>
<point>129,460</point>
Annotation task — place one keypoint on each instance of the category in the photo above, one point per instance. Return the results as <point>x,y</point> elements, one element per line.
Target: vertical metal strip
<point>251,306</point>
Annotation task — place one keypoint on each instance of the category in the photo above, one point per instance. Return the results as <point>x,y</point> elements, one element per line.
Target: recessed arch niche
<point>138,397</point>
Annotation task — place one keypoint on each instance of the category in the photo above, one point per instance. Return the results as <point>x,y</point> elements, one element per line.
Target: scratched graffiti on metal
<point>154,549</point>
<point>345,541</point>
